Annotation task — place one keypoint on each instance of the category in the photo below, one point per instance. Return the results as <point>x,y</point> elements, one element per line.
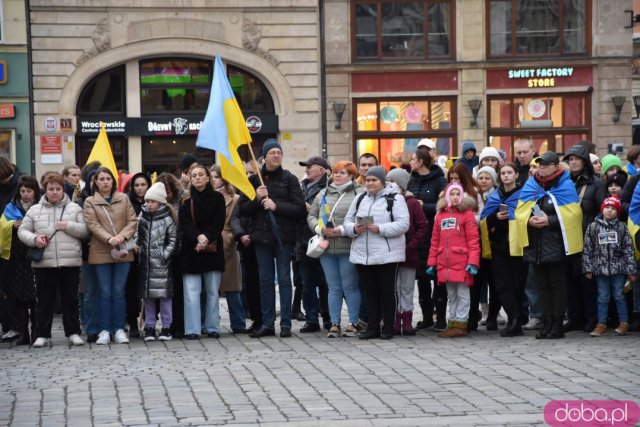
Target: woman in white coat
<point>377,222</point>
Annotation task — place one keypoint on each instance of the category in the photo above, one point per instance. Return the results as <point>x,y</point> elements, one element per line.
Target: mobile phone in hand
<point>536,210</point>
<point>502,208</point>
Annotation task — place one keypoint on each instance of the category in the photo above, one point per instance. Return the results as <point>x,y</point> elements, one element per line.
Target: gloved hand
<point>472,269</point>
<point>431,271</point>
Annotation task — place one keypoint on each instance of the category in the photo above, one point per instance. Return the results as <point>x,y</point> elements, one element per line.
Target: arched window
<point>104,94</point>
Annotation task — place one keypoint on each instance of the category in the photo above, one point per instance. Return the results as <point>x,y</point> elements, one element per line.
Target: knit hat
<point>593,157</point>
<point>400,177</point>
<point>491,171</point>
<point>612,201</point>
<point>187,160</point>
<point>157,192</point>
<point>427,142</point>
<point>451,187</point>
<point>269,145</point>
<point>617,178</point>
<point>377,171</point>
<point>490,152</point>
<point>609,161</point>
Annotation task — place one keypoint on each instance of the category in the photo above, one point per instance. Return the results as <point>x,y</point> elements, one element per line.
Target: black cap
<point>549,157</point>
<point>187,160</point>
<point>316,160</point>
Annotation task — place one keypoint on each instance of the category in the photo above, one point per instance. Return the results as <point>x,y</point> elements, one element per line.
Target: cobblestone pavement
<point>311,380</point>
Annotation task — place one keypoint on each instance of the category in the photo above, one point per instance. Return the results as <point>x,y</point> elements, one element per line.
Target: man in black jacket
<point>581,308</point>
<point>275,215</point>
<point>524,154</point>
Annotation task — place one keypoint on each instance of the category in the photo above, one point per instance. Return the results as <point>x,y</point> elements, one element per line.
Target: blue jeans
<point>91,299</point>
<point>112,278</point>
<point>236,310</point>
<point>265,255</point>
<point>607,285</point>
<point>192,285</point>
<point>312,280</point>
<point>342,279</point>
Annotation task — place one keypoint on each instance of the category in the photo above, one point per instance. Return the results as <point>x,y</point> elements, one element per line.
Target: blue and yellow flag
<point>324,212</point>
<point>224,129</point>
<point>567,204</point>
<point>11,213</point>
<point>491,205</point>
<point>634,217</point>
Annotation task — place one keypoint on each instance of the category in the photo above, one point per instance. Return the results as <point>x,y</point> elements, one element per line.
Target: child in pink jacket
<point>455,255</point>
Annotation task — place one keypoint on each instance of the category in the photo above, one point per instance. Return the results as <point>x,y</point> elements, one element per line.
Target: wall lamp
<point>475,104</point>
<point>618,102</point>
<point>636,103</point>
<point>338,108</point>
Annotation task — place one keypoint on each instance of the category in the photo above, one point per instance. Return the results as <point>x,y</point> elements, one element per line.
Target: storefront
<point>549,105</point>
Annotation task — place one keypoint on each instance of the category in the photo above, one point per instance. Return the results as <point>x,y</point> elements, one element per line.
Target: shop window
<point>538,27</point>
<point>160,154</point>
<point>554,122</point>
<point>104,93</point>
<point>402,29</point>
<point>183,86</point>
<point>391,129</point>
<point>5,143</point>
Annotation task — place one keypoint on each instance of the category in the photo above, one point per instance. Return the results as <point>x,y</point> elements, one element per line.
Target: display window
<point>553,121</point>
<point>391,129</point>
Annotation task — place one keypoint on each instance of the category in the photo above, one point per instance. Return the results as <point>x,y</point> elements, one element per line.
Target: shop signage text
<point>177,126</point>
<point>92,126</point>
<point>7,111</point>
<point>51,144</point>
<point>541,77</point>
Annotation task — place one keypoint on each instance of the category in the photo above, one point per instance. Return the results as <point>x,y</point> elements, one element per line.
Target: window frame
<point>123,95</point>
<point>560,53</point>
<point>426,56</point>
<point>380,135</point>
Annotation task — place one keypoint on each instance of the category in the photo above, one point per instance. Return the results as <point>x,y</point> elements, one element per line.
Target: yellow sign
<point>286,135</point>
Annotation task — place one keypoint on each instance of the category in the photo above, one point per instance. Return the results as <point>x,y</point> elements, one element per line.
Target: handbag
<point>120,251</point>
<point>212,247</point>
<point>318,244</point>
<point>36,254</point>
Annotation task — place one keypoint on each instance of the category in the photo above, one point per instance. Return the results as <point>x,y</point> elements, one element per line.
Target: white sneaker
<point>484,308</point>
<point>39,342</point>
<point>533,323</point>
<point>121,337</point>
<point>9,335</point>
<point>76,340</point>
<point>104,338</point>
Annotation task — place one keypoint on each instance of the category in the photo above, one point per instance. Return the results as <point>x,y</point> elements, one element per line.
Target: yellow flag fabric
<point>6,229</point>
<point>102,153</point>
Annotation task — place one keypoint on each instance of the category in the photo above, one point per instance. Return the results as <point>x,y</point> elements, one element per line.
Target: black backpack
<point>390,199</point>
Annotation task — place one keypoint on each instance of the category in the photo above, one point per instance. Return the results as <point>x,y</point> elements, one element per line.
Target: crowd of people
<point>543,239</point>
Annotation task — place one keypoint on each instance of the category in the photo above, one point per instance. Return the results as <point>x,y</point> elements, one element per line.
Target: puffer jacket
<point>284,190</point>
<point>608,258</point>
<point>64,249</point>
<point>156,238</point>
<point>124,221</point>
<point>594,194</point>
<point>387,246</point>
<point>339,245</point>
<point>456,245</point>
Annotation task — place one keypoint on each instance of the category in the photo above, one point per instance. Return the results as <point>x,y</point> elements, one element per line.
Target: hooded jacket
<point>387,246</point>
<point>64,248</point>
<point>339,245</point>
<point>469,164</point>
<point>615,257</point>
<point>135,202</point>
<point>455,242</point>
<point>156,238</point>
<point>595,190</point>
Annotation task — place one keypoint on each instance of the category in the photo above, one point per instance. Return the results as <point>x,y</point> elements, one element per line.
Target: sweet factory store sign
<point>539,77</point>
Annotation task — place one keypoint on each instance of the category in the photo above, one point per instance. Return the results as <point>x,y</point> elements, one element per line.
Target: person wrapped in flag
<point>497,230</point>
<point>549,229</point>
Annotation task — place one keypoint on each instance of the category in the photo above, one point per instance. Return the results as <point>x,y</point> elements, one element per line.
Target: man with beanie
<point>275,216</point>
<point>469,158</point>
<point>581,309</point>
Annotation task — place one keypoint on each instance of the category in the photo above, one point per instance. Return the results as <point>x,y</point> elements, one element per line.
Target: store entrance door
<point>163,153</point>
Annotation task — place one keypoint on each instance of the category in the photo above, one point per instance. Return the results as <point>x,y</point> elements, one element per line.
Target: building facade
<point>15,108</point>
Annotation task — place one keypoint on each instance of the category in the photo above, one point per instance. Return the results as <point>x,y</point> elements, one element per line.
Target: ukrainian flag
<point>491,205</point>
<point>11,214</point>
<point>224,129</point>
<point>567,204</point>
<point>634,217</point>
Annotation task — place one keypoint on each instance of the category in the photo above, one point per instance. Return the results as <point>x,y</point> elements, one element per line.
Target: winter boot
<point>622,328</point>
<point>407,325</point>
<point>441,314</point>
<point>513,329</point>
<point>546,328</point>
<point>556,329</point>
<point>450,331</point>
<point>397,324</point>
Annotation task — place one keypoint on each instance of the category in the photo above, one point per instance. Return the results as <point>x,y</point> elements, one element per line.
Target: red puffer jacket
<point>455,242</point>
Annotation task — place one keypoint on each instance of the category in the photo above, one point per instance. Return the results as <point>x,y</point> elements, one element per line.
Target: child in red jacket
<point>455,255</point>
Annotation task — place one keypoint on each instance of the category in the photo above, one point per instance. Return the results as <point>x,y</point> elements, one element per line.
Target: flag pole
<point>254,164</point>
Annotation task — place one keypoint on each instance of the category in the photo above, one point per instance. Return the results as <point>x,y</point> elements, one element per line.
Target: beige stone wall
<point>13,23</point>
<point>274,39</point>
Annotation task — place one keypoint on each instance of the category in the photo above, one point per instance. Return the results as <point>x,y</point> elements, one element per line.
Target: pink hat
<point>450,187</point>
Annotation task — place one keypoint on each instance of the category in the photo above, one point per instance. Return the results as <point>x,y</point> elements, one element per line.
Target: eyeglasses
<point>274,153</point>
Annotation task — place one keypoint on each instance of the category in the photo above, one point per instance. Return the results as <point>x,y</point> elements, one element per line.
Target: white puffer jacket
<point>64,249</point>
<point>385,247</point>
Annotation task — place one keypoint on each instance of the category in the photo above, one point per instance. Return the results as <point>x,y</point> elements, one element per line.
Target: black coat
<point>545,244</point>
<point>523,173</point>
<point>304,232</point>
<point>210,212</point>
<point>427,188</point>
<point>594,194</point>
<point>8,190</point>
<point>18,280</point>
<point>284,190</point>
<point>498,228</point>
<point>626,194</point>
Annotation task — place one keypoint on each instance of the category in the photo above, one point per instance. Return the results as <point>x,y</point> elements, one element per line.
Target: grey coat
<point>608,259</point>
<point>156,238</point>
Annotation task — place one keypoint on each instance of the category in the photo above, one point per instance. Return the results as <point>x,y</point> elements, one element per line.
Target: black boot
<point>441,314</point>
<point>546,328</point>
<point>556,329</point>
<point>513,328</point>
